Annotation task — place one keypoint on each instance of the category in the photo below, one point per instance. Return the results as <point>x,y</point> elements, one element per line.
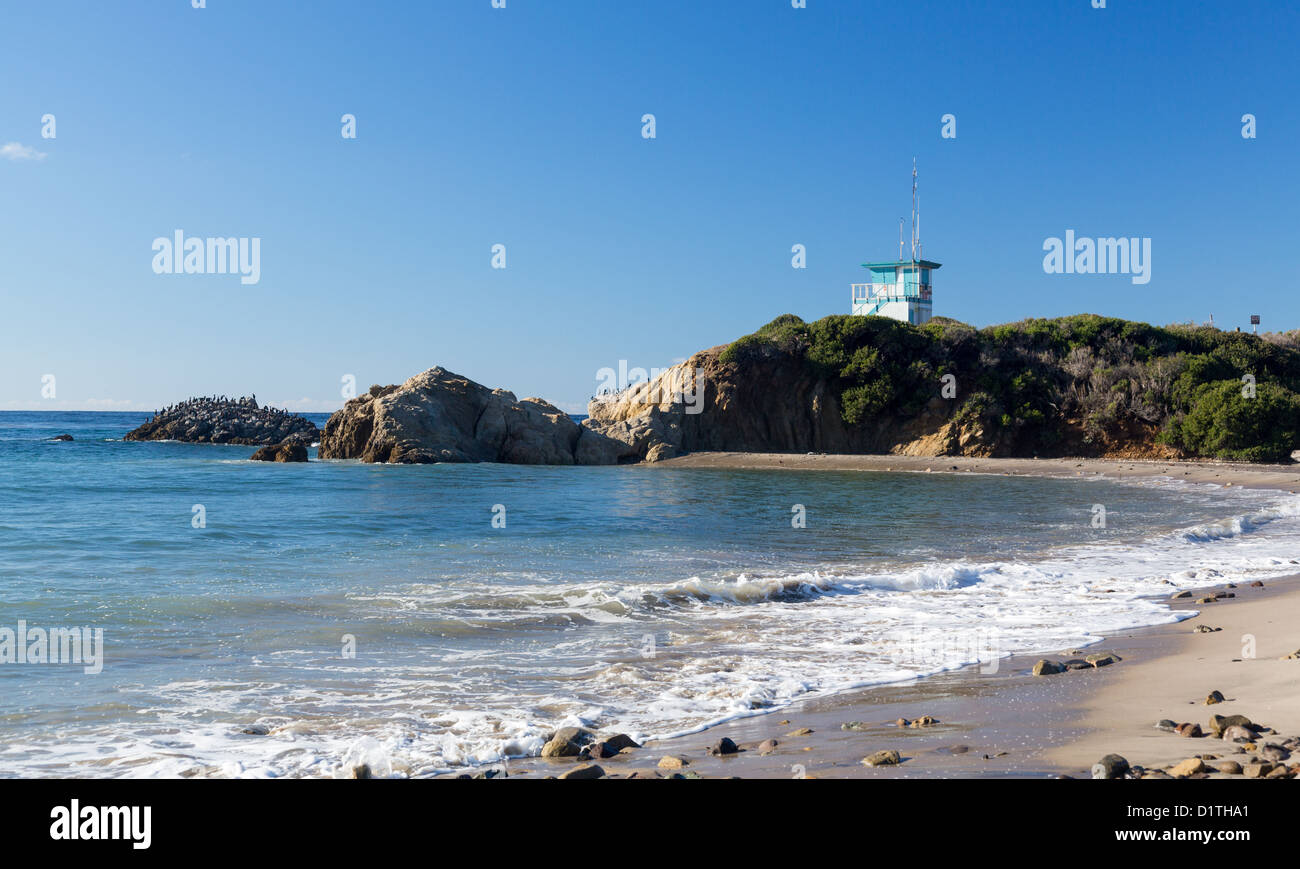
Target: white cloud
<point>18,151</point>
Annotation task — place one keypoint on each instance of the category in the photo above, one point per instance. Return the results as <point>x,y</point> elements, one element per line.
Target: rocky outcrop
<point>439,416</point>
<point>1071,386</point>
<point>285,452</point>
<point>219,420</point>
<point>770,402</point>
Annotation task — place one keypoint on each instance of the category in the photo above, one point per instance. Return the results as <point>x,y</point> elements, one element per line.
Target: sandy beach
<point>1284,477</point>
<point>1003,721</point>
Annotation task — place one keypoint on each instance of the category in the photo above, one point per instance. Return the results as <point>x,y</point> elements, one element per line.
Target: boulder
<point>1218,723</point>
<point>1274,752</point>
<point>286,452</point>
<point>1047,668</point>
<point>1110,767</point>
<point>1103,659</point>
<point>440,416</point>
<point>581,772</point>
<point>722,747</point>
<point>1191,766</point>
<point>659,452</point>
<point>567,742</point>
<point>621,742</point>
<point>1237,733</point>
<point>888,757</point>
<point>598,750</point>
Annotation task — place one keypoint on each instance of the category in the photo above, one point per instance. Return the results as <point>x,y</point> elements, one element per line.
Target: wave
<point>1236,526</point>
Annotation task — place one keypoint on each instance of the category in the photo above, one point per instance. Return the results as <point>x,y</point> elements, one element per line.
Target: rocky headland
<point>1084,386</point>
<point>220,420</point>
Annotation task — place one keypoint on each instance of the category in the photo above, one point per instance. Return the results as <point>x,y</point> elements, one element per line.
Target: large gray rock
<point>439,416</point>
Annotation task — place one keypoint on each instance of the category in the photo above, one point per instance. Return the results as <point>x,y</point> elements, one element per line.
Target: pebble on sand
<point>589,771</point>
<point>888,757</point>
<point>1191,766</point>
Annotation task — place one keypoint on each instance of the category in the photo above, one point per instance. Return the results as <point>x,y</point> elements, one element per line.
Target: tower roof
<point>924,263</point>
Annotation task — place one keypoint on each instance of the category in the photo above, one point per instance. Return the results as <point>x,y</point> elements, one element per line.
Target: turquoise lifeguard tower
<point>901,289</point>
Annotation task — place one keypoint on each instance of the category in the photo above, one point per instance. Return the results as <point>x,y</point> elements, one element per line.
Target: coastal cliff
<point>1079,386</point>
<point>439,416</point>
<point>218,420</point>
<point>1084,386</point>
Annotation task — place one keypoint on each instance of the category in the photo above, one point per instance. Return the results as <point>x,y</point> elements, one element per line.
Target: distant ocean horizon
<point>334,613</point>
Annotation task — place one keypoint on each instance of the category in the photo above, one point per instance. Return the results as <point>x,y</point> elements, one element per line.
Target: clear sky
<point>522,126</point>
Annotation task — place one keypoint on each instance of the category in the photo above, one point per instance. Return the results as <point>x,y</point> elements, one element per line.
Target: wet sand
<point>1002,721</point>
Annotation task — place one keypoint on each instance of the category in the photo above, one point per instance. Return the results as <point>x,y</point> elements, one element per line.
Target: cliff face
<point>1079,386</point>
<point>225,421</point>
<point>438,416</point>
<point>770,402</point>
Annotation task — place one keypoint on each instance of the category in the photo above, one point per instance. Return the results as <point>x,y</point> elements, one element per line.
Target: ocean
<point>267,620</point>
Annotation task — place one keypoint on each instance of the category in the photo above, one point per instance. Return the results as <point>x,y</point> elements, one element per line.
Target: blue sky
<point>522,126</point>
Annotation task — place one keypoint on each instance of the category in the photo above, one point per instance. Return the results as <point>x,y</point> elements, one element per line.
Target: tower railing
<point>894,291</point>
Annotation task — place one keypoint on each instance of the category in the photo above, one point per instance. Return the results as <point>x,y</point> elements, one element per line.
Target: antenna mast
<point>914,209</point>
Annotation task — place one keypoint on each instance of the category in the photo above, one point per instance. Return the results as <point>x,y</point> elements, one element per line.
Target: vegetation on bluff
<point>1059,385</point>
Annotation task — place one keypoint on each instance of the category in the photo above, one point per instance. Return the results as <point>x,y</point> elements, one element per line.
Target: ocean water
<point>645,600</point>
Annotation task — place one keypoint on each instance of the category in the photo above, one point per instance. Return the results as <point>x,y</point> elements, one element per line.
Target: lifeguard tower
<point>901,289</point>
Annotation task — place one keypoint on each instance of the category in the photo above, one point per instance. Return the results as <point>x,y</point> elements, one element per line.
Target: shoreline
<point>1281,477</point>
<point>1010,723</point>
<point>1013,724</point>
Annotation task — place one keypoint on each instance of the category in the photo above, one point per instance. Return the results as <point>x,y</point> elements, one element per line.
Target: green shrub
<point>1226,424</point>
